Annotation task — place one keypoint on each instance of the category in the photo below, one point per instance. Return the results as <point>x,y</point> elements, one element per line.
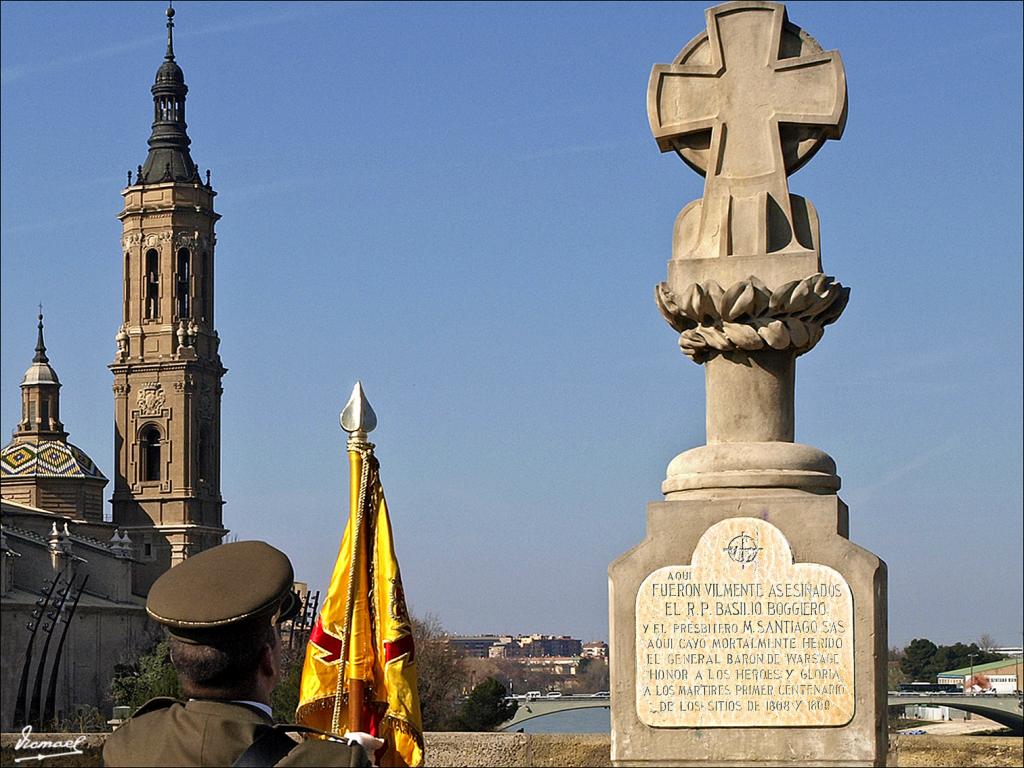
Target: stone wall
<point>99,638</point>
<point>585,749</point>
<point>443,749</point>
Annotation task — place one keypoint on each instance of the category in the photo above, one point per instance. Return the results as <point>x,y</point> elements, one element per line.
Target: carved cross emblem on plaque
<point>747,103</point>
<point>742,549</point>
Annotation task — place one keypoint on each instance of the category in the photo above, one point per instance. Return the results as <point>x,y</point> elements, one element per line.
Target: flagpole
<point>358,419</point>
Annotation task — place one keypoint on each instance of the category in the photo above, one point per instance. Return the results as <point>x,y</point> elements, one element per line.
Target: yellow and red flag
<point>362,640</point>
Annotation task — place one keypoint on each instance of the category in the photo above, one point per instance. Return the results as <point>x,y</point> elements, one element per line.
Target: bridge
<point>530,708</point>
<point>1005,709</point>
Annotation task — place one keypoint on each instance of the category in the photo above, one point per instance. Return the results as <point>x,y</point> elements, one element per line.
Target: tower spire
<point>169,56</point>
<point>40,396</point>
<point>169,158</point>
<point>40,345</point>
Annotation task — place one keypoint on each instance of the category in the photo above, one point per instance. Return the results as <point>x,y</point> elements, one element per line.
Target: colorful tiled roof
<point>47,458</point>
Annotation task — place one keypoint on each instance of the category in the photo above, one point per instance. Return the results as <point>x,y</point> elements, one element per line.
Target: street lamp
<point>970,680</point>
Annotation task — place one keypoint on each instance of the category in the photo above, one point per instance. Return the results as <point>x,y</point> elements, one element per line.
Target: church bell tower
<point>167,370</point>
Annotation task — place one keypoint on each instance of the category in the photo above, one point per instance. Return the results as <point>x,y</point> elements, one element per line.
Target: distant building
<point>166,503</point>
<point>109,624</point>
<point>473,646</point>
<point>534,646</point>
<point>515,646</point>
<point>52,529</point>
<point>1004,676</point>
<point>564,666</point>
<point>595,650</point>
<point>1009,650</point>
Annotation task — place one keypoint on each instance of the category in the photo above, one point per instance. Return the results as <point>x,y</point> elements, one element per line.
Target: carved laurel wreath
<point>749,316</point>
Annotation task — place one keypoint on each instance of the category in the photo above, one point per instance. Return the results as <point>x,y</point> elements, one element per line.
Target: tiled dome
<point>46,458</point>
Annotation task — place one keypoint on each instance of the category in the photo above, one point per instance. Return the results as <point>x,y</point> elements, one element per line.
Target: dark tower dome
<point>170,74</point>
<point>169,158</point>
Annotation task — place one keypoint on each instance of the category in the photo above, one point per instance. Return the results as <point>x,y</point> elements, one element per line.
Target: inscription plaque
<point>744,637</point>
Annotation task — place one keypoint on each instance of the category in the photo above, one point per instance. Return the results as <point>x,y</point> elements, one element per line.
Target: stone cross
<point>721,105</point>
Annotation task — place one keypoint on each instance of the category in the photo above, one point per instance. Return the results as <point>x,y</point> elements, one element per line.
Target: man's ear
<point>267,661</point>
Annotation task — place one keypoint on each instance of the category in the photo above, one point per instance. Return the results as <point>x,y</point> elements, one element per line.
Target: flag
<point>363,632</point>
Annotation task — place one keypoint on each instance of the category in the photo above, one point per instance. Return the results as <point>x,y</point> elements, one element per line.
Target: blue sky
<point>463,206</point>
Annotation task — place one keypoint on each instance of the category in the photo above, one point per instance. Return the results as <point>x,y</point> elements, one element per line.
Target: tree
<point>958,656</point>
<point>285,698</point>
<point>896,677</point>
<point>486,707</point>
<point>923,660</point>
<point>916,657</point>
<point>150,675</point>
<point>986,642</point>
<point>591,676</point>
<point>441,674</point>
<point>520,677</point>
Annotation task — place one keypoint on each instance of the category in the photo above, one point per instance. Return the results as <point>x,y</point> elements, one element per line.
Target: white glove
<point>370,744</point>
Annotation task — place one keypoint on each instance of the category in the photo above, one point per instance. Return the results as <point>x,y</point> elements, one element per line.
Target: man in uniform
<point>221,609</point>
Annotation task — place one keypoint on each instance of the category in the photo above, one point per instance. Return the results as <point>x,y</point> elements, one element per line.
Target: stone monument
<point>746,629</point>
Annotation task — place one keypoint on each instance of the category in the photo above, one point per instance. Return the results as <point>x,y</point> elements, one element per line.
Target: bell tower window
<point>149,449</point>
<point>199,304</point>
<point>205,474</point>
<point>184,273</point>
<point>127,288</point>
<point>152,284</point>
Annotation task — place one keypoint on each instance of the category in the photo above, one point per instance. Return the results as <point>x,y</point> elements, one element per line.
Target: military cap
<point>232,587</point>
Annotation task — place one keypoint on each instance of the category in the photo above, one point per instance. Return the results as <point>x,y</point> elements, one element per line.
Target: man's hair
<point>227,666</point>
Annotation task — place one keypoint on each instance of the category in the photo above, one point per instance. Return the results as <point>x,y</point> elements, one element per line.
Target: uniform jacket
<point>165,732</point>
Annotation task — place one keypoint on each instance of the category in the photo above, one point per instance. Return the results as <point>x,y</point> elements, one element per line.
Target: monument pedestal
<point>730,642</point>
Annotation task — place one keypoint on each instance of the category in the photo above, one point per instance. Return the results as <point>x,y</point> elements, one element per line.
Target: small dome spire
<point>40,345</point>
<point>40,372</point>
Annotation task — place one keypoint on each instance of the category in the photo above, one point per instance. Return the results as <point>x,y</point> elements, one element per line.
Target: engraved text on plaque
<point>744,636</point>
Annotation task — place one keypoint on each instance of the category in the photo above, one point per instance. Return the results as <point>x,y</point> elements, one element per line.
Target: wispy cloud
<point>19,71</point>
<point>249,20</point>
<point>901,471</point>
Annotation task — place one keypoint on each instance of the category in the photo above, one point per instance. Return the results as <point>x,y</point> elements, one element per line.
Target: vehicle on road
<point>923,688</point>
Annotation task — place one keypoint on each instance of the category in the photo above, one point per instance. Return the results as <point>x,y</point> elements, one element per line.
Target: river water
<point>570,721</point>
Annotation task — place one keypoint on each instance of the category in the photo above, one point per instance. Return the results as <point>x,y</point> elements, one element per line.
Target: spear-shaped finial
<point>40,345</point>
<point>170,31</point>
<point>358,418</point>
